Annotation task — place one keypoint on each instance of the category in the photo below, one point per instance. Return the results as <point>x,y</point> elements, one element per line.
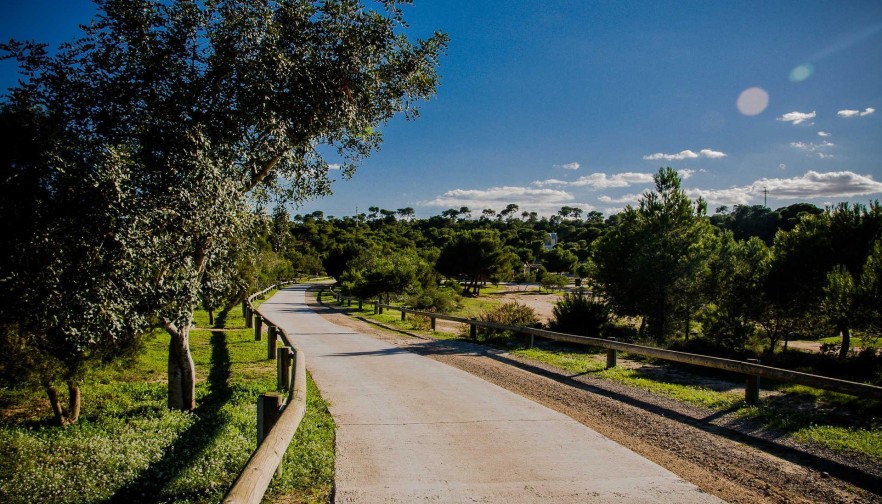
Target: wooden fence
<point>278,416</point>
<point>752,369</point>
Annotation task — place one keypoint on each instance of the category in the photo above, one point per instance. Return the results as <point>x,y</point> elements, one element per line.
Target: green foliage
<point>560,260</point>
<point>128,444</point>
<point>554,281</point>
<point>171,118</point>
<point>577,313</point>
<point>373,273</point>
<point>475,256</point>
<point>654,263</point>
<point>513,314</point>
<point>434,299</point>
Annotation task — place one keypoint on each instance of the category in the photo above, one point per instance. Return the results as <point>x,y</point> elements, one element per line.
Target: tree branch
<point>256,178</point>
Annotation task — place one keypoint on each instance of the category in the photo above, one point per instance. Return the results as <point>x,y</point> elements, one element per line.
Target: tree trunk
<point>688,323</point>
<point>181,371</point>
<point>210,317</point>
<point>70,415</point>
<point>846,342</point>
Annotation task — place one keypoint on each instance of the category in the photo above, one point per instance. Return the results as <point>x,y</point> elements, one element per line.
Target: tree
<point>560,260</point>
<point>475,255</point>
<point>651,263</point>
<point>210,104</point>
<point>510,210</point>
<point>72,293</point>
<point>372,274</point>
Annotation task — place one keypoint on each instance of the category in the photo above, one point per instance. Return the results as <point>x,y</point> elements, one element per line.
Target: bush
<point>513,314</point>
<point>553,281</point>
<point>434,299</point>
<point>578,314</point>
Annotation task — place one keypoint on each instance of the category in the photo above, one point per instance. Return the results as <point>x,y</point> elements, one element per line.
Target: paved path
<point>411,429</point>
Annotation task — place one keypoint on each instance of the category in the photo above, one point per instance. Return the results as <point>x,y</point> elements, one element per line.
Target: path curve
<point>411,429</point>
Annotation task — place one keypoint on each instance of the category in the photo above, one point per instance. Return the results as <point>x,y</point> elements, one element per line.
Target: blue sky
<point>578,103</point>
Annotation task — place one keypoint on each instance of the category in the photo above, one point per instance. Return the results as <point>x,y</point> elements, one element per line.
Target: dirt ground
<point>715,451</point>
<point>541,302</point>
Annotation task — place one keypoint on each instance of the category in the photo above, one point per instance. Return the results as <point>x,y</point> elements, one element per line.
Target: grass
<point>128,446</point>
<point>840,422</point>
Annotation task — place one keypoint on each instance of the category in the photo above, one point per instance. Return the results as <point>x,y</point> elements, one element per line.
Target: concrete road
<point>411,429</point>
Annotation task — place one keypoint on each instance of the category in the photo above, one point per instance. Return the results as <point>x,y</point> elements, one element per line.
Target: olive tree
<point>216,103</point>
<point>71,295</point>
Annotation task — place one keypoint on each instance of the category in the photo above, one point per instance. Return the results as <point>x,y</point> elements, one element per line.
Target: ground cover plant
<point>128,446</point>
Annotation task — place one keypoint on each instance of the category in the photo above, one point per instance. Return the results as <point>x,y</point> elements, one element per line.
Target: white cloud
<point>548,200</point>
<point>855,113</point>
<point>334,166</point>
<point>814,147</point>
<point>627,198</point>
<point>820,185</point>
<point>811,185</point>
<point>685,173</point>
<point>712,154</point>
<point>797,117</point>
<point>823,134</point>
<point>731,196</point>
<point>601,180</point>
<point>685,154</point>
<point>569,166</point>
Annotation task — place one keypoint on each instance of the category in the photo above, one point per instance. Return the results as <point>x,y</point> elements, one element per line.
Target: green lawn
<point>128,445</point>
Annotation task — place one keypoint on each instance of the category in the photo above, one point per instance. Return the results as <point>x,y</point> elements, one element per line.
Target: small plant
<point>576,313</point>
<point>513,314</point>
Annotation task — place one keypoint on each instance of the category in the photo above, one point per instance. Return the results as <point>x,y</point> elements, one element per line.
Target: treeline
<point>745,276</point>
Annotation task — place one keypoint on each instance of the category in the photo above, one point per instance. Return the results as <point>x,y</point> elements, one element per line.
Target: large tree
<point>651,264</point>
<point>71,293</point>
<point>475,255</point>
<point>212,102</point>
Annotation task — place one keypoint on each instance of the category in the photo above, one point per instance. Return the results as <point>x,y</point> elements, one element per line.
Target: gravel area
<point>721,455</point>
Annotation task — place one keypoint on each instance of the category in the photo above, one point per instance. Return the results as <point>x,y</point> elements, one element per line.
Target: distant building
<point>551,241</point>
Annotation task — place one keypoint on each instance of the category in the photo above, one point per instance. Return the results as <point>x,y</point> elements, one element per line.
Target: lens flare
<point>752,101</point>
<point>802,72</point>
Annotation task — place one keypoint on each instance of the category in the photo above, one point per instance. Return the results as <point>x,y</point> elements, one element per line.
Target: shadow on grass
<point>190,444</point>
<point>220,321</point>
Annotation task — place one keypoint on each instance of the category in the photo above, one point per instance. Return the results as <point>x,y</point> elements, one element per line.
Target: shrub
<point>514,314</point>
<point>553,281</point>
<point>578,314</point>
<point>434,299</point>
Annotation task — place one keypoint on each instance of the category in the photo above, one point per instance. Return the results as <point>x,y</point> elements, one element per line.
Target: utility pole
<point>765,197</point>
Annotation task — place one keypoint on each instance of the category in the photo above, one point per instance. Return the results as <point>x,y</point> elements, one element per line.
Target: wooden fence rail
<point>277,423</point>
<point>752,369</point>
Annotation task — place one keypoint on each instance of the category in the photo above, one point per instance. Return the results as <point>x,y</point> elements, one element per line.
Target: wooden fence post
<point>473,332</point>
<point>271,337</point>
<point>267,413</point>
<point>380,306</point>
<point>247,315</point>
<point>258,327</point>
<point>752,389</point>
<point>611,355</point>
<point>319,297</point>
<point>433,323</point>
<point>283,368</point>
<point>359,304</point>
<point>403,315</point>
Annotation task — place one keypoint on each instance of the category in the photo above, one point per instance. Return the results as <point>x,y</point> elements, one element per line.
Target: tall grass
<point>128,447</point>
